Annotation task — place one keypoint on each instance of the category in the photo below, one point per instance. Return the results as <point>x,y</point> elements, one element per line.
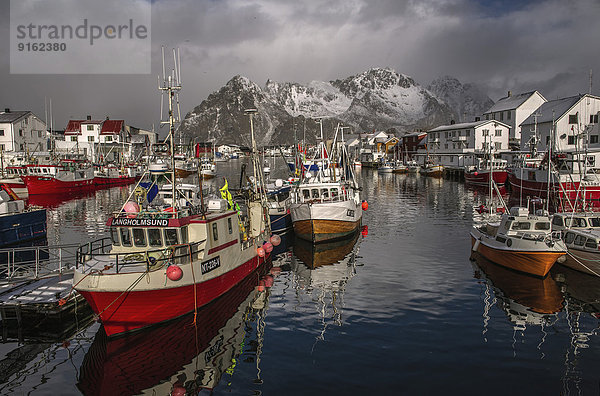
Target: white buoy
<point>476,245</point>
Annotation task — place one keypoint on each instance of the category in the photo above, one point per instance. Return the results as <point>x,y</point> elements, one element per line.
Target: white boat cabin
<point>583,220</point>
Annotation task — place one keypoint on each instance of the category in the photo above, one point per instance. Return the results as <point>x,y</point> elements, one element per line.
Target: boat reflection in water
<point>582,310</point>
<point>323,270</point>
<point>176,355</point>
<point>525,299</point>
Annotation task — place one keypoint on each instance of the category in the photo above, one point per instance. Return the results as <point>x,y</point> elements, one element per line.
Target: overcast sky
<point>503,45</point>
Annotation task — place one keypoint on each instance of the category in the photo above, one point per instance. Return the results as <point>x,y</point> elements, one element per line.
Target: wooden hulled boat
<point>432,170</point>
<point>111,175</point>
<point>520,241</point>
<point>328,206</point>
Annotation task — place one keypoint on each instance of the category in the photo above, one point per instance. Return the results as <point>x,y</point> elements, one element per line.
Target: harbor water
<point>400,309</point>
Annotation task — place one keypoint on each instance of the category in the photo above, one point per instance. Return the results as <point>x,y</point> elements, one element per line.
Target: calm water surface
<point>400,311</point>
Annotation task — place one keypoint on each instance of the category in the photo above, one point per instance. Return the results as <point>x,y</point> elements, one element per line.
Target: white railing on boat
<point>34,262</point>
<point>150,259</point>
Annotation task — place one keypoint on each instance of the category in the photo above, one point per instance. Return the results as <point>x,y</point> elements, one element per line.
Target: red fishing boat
<point>479,175</point>
<point>12,179</point>
<point>111,175</point>
<point>66,176</point>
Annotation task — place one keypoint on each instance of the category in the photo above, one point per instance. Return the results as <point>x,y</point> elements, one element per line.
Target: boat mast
<point>171,85</point>
<point>550,163</point>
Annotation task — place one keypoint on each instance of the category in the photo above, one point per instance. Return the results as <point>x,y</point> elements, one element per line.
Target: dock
<point>36,296</point>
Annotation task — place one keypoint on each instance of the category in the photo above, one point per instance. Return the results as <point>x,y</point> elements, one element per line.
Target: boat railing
<point>101,250</point>
<point>34,262</point>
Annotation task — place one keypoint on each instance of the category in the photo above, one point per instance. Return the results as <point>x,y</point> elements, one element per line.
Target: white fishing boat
<point>164,261</point>
<point>520,241</point>
<point>327,206</point>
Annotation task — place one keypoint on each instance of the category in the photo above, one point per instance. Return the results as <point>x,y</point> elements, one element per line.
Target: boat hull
<point>583,261</point>
<point>114,181</point>
<point>536,263</point>
<point>22,227</point>
<point>482,178</point>
<point>50,185</point>
<point>125,311</point>
<point>324,230</point>
<point>325,221</point>
<point>280,222</point>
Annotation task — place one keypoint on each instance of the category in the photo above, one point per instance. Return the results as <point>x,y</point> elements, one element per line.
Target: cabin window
<point>521,225</point>
<point>125,237</point>
<point>44,170</point>
<point>334,192</point>
<point>229,226</point>
<point>114,236</point>
<point>306,194</point>
<point>594,139</point>
<point>591,244</point>
<point>542,225</point>
<point>184,234</point>
<point>579,240</point>
<point>139,237</point>
<point>594,221</point>
<point>215,231</point>
<point>171,236</point>
<point>576,222</point>
<point>569,238</point>
<point>154,237</point>
<point>315,193</point>
<point>557,221</point>
<point>325,193</point>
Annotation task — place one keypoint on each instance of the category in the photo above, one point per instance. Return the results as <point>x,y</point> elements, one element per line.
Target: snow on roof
<point>511,102</point>
<point>553,109</point>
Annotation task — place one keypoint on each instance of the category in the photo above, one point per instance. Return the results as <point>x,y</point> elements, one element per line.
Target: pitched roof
<point>12,116</point>
<point>511,102</point>
<point>73,127</point>
<point>553,109</point>
<point>465,125</point>
<point>111,127</point>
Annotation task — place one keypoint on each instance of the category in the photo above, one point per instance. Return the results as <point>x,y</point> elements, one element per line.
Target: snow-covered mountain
<point>466,100</point>
<point>373,100</point>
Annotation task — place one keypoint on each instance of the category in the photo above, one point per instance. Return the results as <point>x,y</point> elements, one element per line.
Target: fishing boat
<point>278,195</point>
<point>432,170</point>
<point>584,250</point>
<point>164,261</point>
<point>327,206</point>
<point>385,167</point>
<point>185,167</point>
<point>479,175</point>
<point>111,175</point>
<point>208,169</point>
<point>520,241</point>
<point>67,176</point>
<point>18,224</point>
<point>400,167</point>
<point>412,166</point>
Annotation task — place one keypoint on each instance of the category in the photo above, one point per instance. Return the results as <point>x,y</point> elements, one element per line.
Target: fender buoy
<point>476,245</point>
<point>174,272</point>
<point>365,205</point>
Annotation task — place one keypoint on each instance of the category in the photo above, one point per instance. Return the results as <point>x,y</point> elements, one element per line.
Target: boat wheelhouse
<point>64,177</point>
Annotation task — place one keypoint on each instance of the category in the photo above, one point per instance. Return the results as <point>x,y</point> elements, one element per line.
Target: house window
<point>109,139</point>
<point>547,140</point>
<point>2,147</point>
<point>485,132</point>
<point>498,145</point>
<point>594,139</point>
<point>498,132</point>
<point>90,127</point>
<point>573,118</point>
<point>467,133</point>
<point>571,139</point>
<point>446,145</point>
<point>39,134</point>
<point>22,147</point>
<point>26,121</point>
<point>593,118</point>
<point>501,116</point>
<point>20,132</point>
<point>90,138</point>
<point>508,115</point>
<point>487,116</point>
<point>73,138</point>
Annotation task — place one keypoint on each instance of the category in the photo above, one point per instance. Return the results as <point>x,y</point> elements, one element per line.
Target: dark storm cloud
<point>504,45</point>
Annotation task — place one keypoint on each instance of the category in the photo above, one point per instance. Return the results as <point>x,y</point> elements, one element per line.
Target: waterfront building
<point>22,132</point>
<point>512,110</point>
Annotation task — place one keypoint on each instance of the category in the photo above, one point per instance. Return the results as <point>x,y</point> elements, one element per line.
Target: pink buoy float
<point>275,239</point>
<point>268,247</point>
<point>174,272</point>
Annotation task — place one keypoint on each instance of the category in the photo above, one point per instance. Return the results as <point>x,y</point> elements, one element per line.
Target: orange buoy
<point>174,272</point>
<point>261,286</point>
<point>275,239</point>
<point>365,230</point>
<point>261,252</point>
<point>365,205</point>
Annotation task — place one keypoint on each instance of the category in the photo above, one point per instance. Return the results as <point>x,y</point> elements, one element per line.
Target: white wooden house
<point>22,131</point>
<point>457,145</point>
<point>513,110</point>
<point>572,122</point>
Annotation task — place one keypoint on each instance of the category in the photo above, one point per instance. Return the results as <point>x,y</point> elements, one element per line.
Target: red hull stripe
<point>138,309</point>
<point>221,247</point>
<point>49,185</point>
